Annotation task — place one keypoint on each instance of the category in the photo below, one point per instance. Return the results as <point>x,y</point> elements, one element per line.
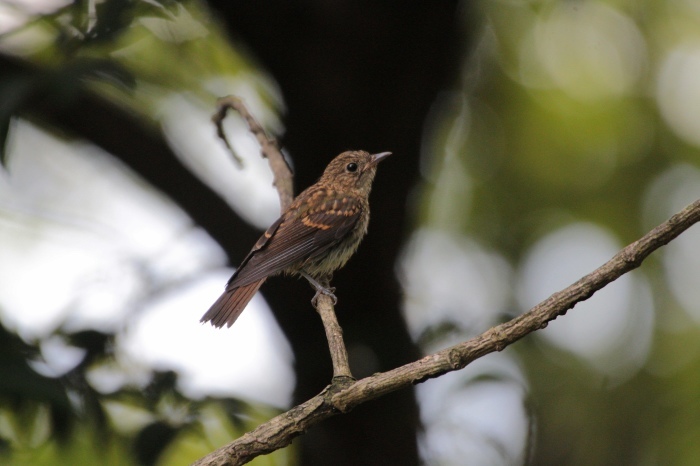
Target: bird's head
<point>353,170</point>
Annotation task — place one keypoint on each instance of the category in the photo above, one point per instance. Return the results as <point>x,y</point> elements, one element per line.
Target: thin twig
<point>279,431</point>
<point>334,334</point>
<point>283,182</point>
<point>218,120</point>
<point>282,174</point>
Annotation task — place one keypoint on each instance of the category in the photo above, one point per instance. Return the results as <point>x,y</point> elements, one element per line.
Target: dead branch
<point>342,396</point>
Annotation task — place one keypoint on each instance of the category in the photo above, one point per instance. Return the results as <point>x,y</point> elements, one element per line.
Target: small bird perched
<point>313,238</point>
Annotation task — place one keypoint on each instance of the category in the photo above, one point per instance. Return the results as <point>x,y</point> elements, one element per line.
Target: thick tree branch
<point>338,397</point>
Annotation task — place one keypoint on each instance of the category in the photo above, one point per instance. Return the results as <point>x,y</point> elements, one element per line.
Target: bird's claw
<point>320,288</point>
<point>326,291</point>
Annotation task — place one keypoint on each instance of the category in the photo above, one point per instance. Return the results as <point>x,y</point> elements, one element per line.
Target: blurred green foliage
<point>563,117</point>
<point>131,54</point>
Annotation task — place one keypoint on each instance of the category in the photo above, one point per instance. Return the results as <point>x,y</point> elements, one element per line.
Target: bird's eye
<point>351,167</point>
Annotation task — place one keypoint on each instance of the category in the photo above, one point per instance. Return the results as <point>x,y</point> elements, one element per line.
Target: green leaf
<point>152,440</point>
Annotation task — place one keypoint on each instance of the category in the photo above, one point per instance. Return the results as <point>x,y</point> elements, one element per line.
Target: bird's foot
<point>320,289</point>
<point>327,292</point>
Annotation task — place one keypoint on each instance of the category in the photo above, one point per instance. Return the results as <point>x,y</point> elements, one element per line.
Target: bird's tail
<point>230,304</point>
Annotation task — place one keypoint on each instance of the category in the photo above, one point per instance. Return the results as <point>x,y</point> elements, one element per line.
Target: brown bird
<point>313,238</point>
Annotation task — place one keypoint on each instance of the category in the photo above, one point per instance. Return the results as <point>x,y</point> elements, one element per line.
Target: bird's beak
<point>376,158</point>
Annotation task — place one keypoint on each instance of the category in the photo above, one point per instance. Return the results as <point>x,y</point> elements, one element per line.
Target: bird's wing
<point>291,240</point>
<point>259,244</point>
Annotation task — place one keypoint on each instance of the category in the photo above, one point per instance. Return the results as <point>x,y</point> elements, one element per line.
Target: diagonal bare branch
<point>342,396</point>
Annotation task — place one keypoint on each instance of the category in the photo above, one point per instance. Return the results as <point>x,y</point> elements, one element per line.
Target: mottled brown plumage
<point>314,237</point>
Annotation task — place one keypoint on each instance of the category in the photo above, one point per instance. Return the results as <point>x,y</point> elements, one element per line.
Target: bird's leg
<point>320,288</point>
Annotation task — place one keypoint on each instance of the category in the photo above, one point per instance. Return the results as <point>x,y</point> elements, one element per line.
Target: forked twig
<point>283,181</point>
<point>282,174</point>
